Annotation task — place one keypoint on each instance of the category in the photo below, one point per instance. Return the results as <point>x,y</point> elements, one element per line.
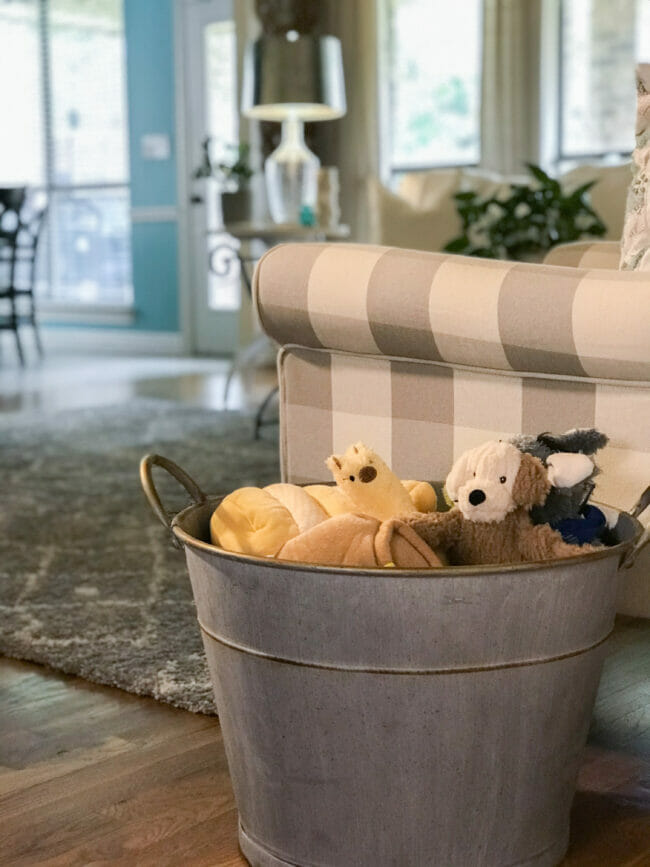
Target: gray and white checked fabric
<point>510,316</point>
<point>421,417</point>
<point>586,254</point>
<point>423,355</point>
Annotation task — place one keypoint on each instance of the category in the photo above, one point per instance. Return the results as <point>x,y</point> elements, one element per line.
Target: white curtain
<point>355,139</point>
<point>515,36</point>
<point>247,27</point>
<point>510,104</point>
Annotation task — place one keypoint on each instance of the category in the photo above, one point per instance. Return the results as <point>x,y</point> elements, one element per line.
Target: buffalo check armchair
<point>423,355</point>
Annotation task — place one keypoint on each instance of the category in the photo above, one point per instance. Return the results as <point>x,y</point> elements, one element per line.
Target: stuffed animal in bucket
<point>373,488</point>
<point>321,524</point>
<point>362,542</point>
<point>493,488</point>
<point>571,470</point>
<point>259,521</point>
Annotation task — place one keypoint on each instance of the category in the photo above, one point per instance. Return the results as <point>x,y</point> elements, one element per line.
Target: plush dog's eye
<point>502,479</point>
<point>351,478</point>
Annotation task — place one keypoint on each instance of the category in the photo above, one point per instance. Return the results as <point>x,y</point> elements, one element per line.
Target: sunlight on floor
<point>75,381</point>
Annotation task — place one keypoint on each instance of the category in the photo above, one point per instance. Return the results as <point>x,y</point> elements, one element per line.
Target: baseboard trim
<point>112,341</point>
<point>79,314</point>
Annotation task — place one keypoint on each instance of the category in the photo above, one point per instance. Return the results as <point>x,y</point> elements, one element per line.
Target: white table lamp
<point>292,79</point>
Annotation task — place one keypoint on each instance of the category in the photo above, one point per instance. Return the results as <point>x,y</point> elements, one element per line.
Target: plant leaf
<point>457,245</point>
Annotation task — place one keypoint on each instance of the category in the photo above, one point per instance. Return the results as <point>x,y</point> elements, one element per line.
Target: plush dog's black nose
<point>367,474</point>
<point>476,497</point>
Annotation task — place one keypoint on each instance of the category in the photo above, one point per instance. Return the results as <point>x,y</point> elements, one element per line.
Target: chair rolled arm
<point>586,254</point>
<point>482,313</point>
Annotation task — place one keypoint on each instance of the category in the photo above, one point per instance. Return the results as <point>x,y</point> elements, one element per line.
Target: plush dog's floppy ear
<point>566,469</point>
<point>587,440</point>
<point>531,485</point>
<point>458,475</point>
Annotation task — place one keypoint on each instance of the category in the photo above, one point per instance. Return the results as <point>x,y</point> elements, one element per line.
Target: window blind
<point>63,101</point>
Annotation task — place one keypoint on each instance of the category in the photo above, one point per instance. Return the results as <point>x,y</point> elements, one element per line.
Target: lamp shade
<point>292,75</point>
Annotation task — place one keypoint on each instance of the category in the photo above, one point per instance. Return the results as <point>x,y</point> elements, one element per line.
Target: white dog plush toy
<point>493,488</point>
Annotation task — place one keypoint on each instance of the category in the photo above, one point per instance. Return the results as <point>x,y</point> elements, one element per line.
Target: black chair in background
<point>20,226</point>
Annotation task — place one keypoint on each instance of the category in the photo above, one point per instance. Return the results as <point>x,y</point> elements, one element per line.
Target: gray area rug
<point>89,581</point>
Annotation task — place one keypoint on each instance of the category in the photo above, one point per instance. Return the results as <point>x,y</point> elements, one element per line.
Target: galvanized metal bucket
<point>387,717</point>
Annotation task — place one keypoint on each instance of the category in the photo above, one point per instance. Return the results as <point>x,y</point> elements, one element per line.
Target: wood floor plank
<point>93,726</point>
<point>126,771</point>
<point>211,843</point>
<point>140,805</point>
<point>604,770</point>
<point>607,831</point>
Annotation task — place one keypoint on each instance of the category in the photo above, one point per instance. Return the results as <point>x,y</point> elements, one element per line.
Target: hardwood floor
<point>91,775</point>
<point>72,381</point>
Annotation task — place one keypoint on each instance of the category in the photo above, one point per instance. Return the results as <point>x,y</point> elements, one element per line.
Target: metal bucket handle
<point>146,479</point>
<point>629,558</point>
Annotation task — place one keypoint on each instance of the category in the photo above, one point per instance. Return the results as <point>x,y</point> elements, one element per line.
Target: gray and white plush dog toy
<point>571,471</point>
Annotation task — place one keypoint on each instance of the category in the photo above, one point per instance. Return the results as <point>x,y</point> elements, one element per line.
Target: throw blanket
<point>635,244</point>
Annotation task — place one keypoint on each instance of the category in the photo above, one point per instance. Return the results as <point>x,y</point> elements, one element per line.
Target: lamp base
<point>291,173</point>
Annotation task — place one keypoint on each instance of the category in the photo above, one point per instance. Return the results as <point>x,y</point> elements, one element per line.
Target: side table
<point>222,258</point>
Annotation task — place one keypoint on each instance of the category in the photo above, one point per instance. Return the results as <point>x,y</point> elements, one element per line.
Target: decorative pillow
<point>422,214</point>
<point>607,196</point>
<point>398,223</point>
<point>635,245</point>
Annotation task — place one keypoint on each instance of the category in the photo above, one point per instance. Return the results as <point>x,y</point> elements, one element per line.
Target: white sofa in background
<point>422,214</point>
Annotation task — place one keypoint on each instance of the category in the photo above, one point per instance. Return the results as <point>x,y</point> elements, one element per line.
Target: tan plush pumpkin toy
<point>493,488</point>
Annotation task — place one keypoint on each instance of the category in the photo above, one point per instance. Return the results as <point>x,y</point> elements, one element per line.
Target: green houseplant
<point>232,175</point>
<point>526,223</point>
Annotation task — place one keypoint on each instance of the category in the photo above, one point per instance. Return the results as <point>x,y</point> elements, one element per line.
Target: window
<point>68,137</point>
<point>433,58</point>
<point>221,110</point>
<point>221,120</point>
<point>601,41</point>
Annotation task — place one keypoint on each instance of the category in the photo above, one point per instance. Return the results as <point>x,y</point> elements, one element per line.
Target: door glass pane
<point>88,91</point>
<point>221,121</point>
<point>21,98</point>
<point>601,43</point>
<point>220,70</point>
<point>434,64</point>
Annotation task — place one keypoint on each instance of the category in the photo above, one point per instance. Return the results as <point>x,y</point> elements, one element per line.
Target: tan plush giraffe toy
<point>374,489</point>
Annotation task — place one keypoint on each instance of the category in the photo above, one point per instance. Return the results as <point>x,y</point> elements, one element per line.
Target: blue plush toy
<point>571,472</point>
